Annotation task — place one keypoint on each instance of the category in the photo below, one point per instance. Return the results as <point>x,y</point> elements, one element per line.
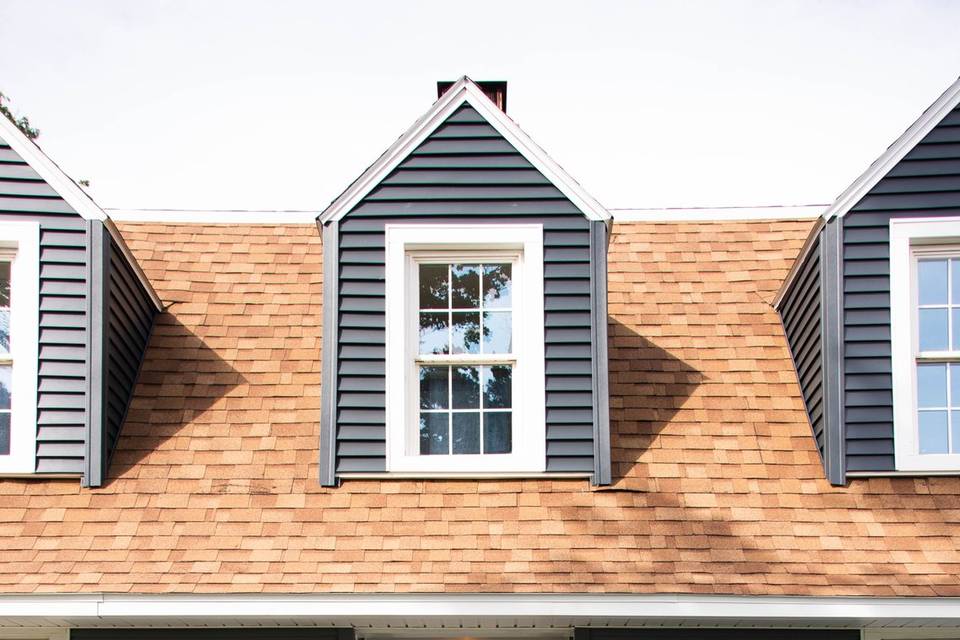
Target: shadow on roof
<point>181,379</point>
<point>648,385</point>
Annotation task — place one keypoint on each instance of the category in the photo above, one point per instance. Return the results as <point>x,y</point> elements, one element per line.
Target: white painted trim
<point>134,263</point>
<point>555,608</point>
<point>24,239</point>
<point>911,634</point>
<point>906,234</point>
<point>219,216</point>
<point>423,475</point>
<point>529,413</point>
<point>463,91</point>
<point>896,151</point>
<point>65,187</point>
<point>805,250</point>
<point>718,214</point>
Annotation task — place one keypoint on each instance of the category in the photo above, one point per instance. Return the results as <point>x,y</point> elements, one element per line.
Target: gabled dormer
<point>465,325</point>
<point>871,310</point>
<point>75,315</point>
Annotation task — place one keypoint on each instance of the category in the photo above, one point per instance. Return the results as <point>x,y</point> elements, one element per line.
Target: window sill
<point>446,475</point>
<point>902,474</point>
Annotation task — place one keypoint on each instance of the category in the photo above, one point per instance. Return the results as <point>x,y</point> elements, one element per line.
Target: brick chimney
<point>496,90</point>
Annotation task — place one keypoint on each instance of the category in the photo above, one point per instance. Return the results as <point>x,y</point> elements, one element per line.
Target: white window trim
<point>906,235</point>
<point>24,238</point>
<point>529,411</point>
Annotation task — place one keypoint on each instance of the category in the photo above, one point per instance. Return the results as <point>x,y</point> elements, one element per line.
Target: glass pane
<point>4,307</point>
<point>933,329</point>
<point>955,431</point>
<point>433,286</point>
<point>466,388</point>
<point>434,334</point>
<point>954,385</point>
<point>955,319</point>
<point>4,434</point>
<point>466,286</point>
<point>6,385</point>
<point>497,332</point>
<point>933,432</point>
<point>433,433</point>
<point>931,385</point>
<point>434,391</point>
<point>955,281</point>
<point>497,387</point>
<point>497,286</point>
<point>932,281</point>
<point>466,332</point>
<point>496,432</point>
<point>466,432</point>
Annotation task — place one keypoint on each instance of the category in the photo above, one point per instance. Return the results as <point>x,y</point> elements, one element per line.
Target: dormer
<point>75,315</point>
<point>465,325</point>
<point>871,310</point>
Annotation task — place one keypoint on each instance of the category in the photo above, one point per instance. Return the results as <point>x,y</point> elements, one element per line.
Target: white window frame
<point>523,244</point>
<point>23,240</point>
<point>911,239</point>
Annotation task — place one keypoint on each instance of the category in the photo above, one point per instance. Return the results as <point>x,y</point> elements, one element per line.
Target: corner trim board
<point>99,270</point>
<point>328,356</point>
<point>831,309</point>
<point>598,348</point>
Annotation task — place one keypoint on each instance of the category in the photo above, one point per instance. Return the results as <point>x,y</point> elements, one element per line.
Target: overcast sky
<point>281,104</point>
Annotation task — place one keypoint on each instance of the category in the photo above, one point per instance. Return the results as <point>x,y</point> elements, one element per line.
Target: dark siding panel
<point>127,323</point>
<point>801,314</point>
<point>62,366</point>
<point>926,183</point>
<point>464,169</point>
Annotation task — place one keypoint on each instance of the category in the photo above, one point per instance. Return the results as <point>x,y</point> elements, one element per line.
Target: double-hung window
<point>925,339</point>
<point>465,374</point>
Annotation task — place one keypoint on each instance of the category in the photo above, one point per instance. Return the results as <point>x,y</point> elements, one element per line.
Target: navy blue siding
<point>926,183</point>
<point>801,313</point>
<point>465,169</point>
<point>127,322</point>
<point>62,366</point>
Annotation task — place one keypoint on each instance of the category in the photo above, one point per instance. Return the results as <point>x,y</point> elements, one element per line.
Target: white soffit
<point>464,91</point>
<point>930,118</point>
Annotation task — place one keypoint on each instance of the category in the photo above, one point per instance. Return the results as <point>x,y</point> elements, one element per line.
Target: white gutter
<point>373,610</point>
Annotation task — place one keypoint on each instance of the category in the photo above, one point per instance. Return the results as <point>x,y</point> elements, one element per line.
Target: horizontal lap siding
<point>465,171</point>
<point>62,366</point>
<point>801,313</point>
<point>926,183</point>
<point>128,321</point>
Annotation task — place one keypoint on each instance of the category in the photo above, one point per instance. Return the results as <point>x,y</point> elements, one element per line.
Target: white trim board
<point>214,216</point>
<point>929,119</point>
<point>464,91</point>
<point>40,162</point>
<point>710,214</point>
<point>71,193</point>
<point>476,610</point>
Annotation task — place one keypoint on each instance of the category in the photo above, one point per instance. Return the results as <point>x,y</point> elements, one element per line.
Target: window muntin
<point>465,317</point>
<point>460,349</point>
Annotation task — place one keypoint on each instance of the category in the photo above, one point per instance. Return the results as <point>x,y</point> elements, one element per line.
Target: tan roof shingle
<point>718,486</point>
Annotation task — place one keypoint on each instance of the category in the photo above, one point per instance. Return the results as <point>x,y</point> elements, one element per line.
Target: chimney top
<point>496,90</point>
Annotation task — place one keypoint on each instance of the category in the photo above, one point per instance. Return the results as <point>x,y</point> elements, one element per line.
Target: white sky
<point>281,104</point>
